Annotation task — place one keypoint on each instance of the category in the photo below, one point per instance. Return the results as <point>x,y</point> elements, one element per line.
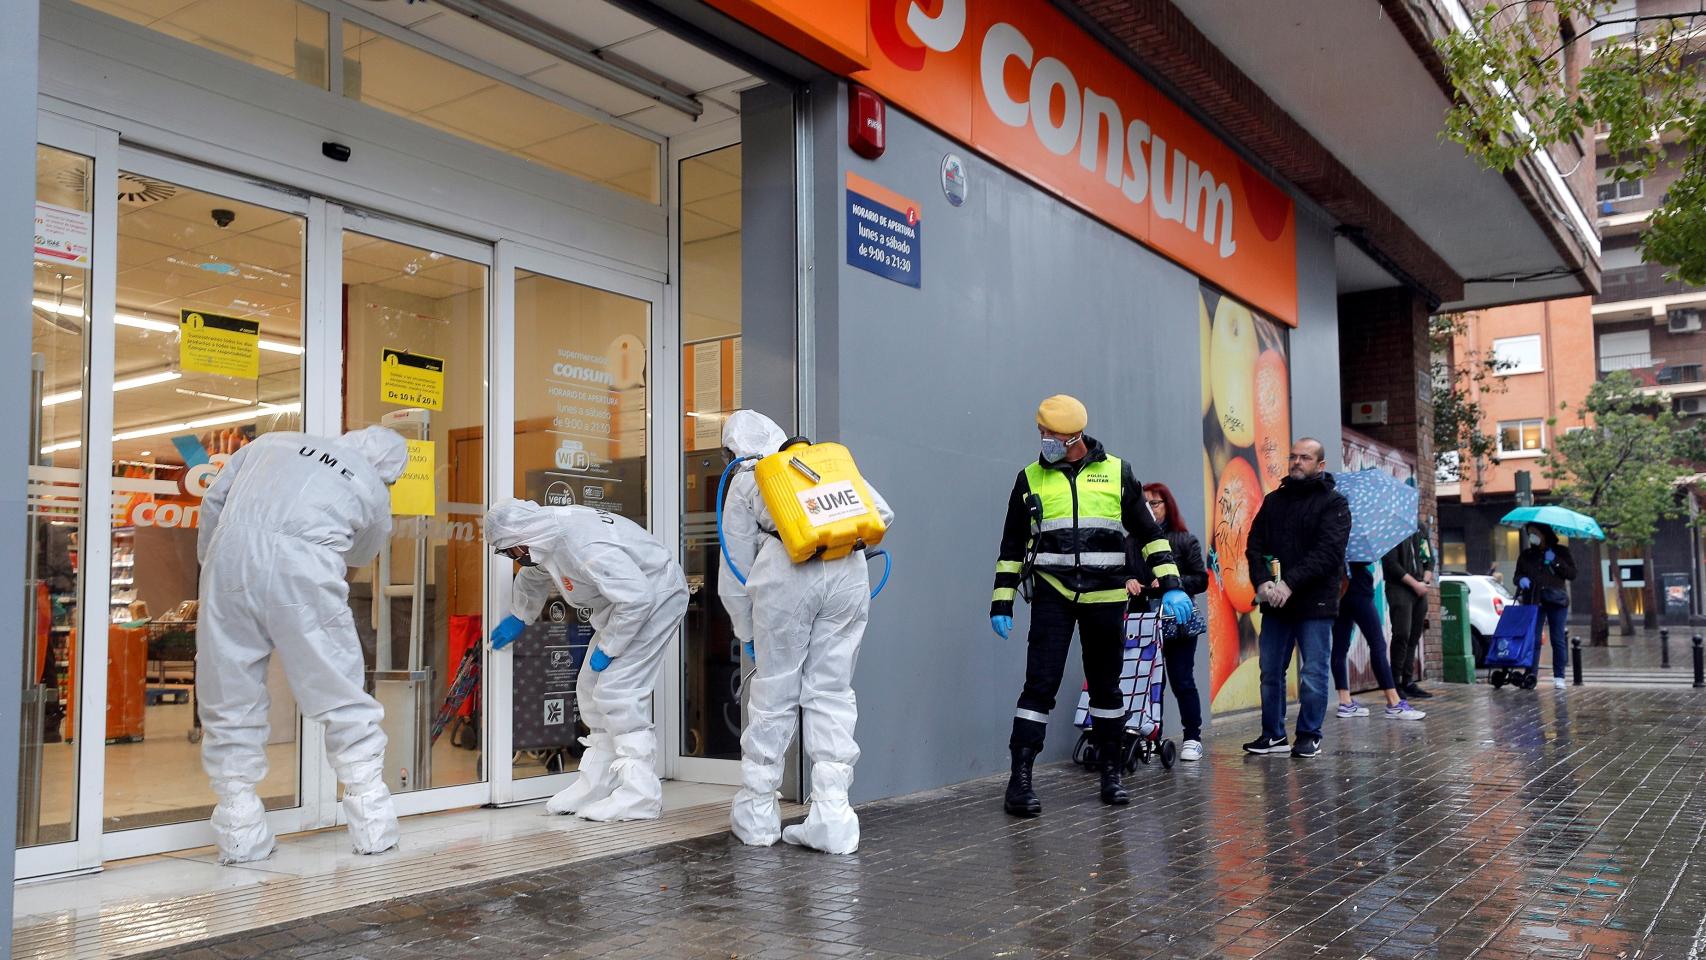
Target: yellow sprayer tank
<point>821,505</point>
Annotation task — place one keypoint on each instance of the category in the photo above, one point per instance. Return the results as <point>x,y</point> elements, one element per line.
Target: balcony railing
<point>1672,368</point>
<point>1638,283</point>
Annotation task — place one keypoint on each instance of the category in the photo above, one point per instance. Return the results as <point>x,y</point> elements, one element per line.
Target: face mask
<point>1534,539</point>
<point>1054,449</point>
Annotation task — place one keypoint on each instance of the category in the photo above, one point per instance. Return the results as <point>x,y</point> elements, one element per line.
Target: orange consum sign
<point>1022,84</point>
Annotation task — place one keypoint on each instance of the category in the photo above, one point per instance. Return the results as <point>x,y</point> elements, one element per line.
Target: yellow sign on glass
<point>413,495</point>
<point>411,379</point>
<point>210,343</point>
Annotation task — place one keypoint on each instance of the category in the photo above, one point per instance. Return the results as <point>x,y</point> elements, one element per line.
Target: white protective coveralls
<point>805,622</point>
<point>280,526</point>
<point>636,595</point>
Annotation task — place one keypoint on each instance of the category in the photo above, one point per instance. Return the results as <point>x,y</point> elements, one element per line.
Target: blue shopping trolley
<point>1513,651</point>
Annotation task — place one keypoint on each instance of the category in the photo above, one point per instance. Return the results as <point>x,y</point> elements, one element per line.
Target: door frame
<point>83,851</point>
<point>340,219</point>
<point>93,845</point>
<point>498,677</point>
<point>677,765</point>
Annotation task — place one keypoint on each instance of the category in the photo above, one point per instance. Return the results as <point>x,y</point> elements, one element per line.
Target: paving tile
<point>1508,824</point>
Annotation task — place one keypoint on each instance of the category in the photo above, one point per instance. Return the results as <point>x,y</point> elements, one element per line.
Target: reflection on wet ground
<point>1508,824</point>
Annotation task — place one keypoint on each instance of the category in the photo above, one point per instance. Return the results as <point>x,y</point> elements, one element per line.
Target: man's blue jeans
<point>1313,638</point>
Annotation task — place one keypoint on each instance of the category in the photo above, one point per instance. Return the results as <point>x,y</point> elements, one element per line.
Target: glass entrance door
<point>208,347</point>
<point>60,310</point>
<point>573,376</point>
<point>414,312</point>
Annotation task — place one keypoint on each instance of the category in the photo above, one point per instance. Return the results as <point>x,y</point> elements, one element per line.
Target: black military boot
<point>1113,790</point>
<point>1021,800</point>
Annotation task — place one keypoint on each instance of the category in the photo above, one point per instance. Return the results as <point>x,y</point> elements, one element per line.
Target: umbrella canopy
<point>1383,513</point>
<point>1567,522</point>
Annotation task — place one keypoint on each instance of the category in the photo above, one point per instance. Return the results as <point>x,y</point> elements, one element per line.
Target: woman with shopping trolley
<point>1179,642</point>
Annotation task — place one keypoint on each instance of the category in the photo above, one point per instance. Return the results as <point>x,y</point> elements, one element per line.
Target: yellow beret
<point>1062,414</point>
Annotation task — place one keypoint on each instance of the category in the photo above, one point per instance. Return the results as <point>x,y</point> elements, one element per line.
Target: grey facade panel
<point>767,282</point>
<point>937,389</point>
<point>1316,408</point>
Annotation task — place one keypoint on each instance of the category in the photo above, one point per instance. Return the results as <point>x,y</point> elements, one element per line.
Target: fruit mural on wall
<point>1246,375</point>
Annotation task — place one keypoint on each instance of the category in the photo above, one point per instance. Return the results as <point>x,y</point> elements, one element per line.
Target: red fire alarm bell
<point>865,123</point>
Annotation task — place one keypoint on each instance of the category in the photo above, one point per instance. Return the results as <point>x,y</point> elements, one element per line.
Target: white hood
<point>384,448</point>
<point>749,433</point>
<point>512,523</point>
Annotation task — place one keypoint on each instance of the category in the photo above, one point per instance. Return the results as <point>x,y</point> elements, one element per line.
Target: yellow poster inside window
<point>411,379</point>
<point>413,494</point>
<point>210,343</point>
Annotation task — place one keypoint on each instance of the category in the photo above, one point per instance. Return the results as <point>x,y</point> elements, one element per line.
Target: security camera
<point>224,217</point>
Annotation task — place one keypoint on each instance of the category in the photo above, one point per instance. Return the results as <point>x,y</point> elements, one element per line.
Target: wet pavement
<point>1508,824</point>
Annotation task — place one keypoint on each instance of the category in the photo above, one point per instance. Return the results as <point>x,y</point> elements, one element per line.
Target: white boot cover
<point>831,826</point>
<point>754,814</point>
<point>368,807</point>
<point>636,792</point>
<point>594,782</point>
<point>240,824</point>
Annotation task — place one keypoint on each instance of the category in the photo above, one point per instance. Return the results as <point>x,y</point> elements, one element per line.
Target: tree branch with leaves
<point>1619,462</point>
<point>1515,99</point>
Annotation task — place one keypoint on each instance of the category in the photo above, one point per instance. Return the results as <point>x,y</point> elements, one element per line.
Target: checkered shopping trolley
<point>1143,680</point>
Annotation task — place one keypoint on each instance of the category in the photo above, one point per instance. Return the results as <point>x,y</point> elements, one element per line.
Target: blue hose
<point>888,565</point>
<point>722,488</point>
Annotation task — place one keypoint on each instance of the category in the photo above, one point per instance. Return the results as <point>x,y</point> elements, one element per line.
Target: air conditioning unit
<point>1684,321</point>
<point>1691,406</point>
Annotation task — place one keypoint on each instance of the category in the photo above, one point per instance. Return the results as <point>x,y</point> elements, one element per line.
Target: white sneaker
<point>1557,683</point>
<point>1403,711</point>
<point>1191,750</point>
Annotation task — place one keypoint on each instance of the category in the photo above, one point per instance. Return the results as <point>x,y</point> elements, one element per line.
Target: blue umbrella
<point>1383,513</point>
<point>1567,522</point>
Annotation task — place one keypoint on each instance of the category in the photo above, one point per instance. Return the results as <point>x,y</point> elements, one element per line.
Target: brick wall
<point>1384,355</point>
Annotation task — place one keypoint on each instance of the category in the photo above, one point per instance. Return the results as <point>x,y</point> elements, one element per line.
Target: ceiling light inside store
<point>63,309</point>
<point>189,426</point>
<point>157,326</point>
<point>161,326</point>
<point>146,380</point>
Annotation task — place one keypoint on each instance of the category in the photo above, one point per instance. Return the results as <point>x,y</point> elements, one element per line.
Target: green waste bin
<point>1455,643</point>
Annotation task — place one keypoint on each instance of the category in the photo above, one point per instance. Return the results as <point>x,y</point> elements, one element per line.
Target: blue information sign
<point>886,241</point>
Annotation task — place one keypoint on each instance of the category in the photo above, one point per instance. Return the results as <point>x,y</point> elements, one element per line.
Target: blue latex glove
<point>1551,555</point>
<point>506,631</point>
<point>1003,626</point>
<point>750,653</point>
<point>598,661</point>
<point>1525,583</point>
<point>1177,604</point>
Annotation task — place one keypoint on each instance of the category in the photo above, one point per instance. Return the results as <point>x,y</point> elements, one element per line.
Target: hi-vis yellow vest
<point>820,503</point>
<point>1079,544</point>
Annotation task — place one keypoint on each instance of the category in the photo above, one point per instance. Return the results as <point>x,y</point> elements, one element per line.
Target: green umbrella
<point>1567,522</point>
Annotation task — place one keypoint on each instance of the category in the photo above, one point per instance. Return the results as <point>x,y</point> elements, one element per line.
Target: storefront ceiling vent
<point>132,189</point>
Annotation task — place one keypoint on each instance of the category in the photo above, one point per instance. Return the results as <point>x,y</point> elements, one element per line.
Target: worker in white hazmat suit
<point>802,624</point>
<point>280,526</point>
<point>636,595</point>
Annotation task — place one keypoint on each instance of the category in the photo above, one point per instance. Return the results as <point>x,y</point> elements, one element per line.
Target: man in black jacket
<point>1296,553</point>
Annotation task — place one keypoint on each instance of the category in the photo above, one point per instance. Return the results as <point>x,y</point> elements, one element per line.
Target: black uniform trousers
<point>1409,622</point>
<point>1101,638</point>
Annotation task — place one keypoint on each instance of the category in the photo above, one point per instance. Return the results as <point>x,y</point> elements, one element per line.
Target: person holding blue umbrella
<point>1543,570</point>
